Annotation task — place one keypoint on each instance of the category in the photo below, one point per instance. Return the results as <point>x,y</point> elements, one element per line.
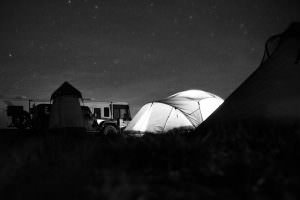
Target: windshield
<point>121,112</point>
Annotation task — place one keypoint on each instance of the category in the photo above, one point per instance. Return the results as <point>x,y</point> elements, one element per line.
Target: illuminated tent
<point>271,95</point>
<point>65,110</point>
<point>184,109</point>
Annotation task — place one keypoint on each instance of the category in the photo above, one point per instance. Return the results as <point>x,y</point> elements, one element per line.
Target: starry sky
<point>134,50</point>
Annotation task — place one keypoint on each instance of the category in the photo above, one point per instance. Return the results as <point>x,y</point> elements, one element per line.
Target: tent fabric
<point>271,93</point>
<point>183,109</point>
<point>65,110</point>
<point>66,89</point>
<point>189,103</point>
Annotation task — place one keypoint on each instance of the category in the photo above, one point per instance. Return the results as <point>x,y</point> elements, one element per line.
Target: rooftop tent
<point>184,109</point>
<point>66,111</point>
<point>66,89</point>
<point>272,92</point>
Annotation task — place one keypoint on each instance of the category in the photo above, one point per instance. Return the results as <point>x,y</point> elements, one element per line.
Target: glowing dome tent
<point>184,109</point>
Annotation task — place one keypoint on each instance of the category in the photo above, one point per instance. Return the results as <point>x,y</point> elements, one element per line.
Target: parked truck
<point>99,117</point>
<point>14,113</point>
<point>107,117</point>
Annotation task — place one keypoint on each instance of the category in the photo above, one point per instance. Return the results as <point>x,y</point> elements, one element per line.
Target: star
<point>116,61</point>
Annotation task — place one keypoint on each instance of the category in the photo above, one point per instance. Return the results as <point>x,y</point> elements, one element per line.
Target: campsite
<point>150,99</point>
<point>235,153</point>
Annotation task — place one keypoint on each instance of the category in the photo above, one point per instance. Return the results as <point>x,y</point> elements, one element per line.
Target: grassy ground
<point>239,163</point>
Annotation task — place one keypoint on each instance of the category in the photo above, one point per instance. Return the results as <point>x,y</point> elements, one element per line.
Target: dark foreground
<point>237,165</point>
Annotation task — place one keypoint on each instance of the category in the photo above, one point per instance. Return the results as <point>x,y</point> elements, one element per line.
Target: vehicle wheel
<point>110,130</point>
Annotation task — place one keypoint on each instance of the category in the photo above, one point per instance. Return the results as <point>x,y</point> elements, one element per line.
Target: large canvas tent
<point>65,110</point>
<point>184,109</point>
<point>271,95</point>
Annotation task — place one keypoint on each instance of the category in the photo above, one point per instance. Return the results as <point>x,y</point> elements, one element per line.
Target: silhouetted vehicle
<point>99,117</point>
<point>106,117</point>
<point>19,117</point>
<point>40,115</point>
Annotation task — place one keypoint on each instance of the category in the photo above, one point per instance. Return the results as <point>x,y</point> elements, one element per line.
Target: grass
<point>232,163</point>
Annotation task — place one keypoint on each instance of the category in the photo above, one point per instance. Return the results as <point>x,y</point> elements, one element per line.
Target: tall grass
<point>233,163</point>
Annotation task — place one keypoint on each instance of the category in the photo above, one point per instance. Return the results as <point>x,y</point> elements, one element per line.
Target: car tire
<point>110,130</point>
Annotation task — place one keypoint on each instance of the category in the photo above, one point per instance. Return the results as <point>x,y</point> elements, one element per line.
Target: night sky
<point>134,50</point>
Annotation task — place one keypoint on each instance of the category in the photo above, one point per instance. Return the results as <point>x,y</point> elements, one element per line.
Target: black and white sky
<point>135,50</point>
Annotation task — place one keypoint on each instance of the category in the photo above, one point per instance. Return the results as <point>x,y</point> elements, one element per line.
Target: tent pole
<point>168,118</point>
<point>200,112</point>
